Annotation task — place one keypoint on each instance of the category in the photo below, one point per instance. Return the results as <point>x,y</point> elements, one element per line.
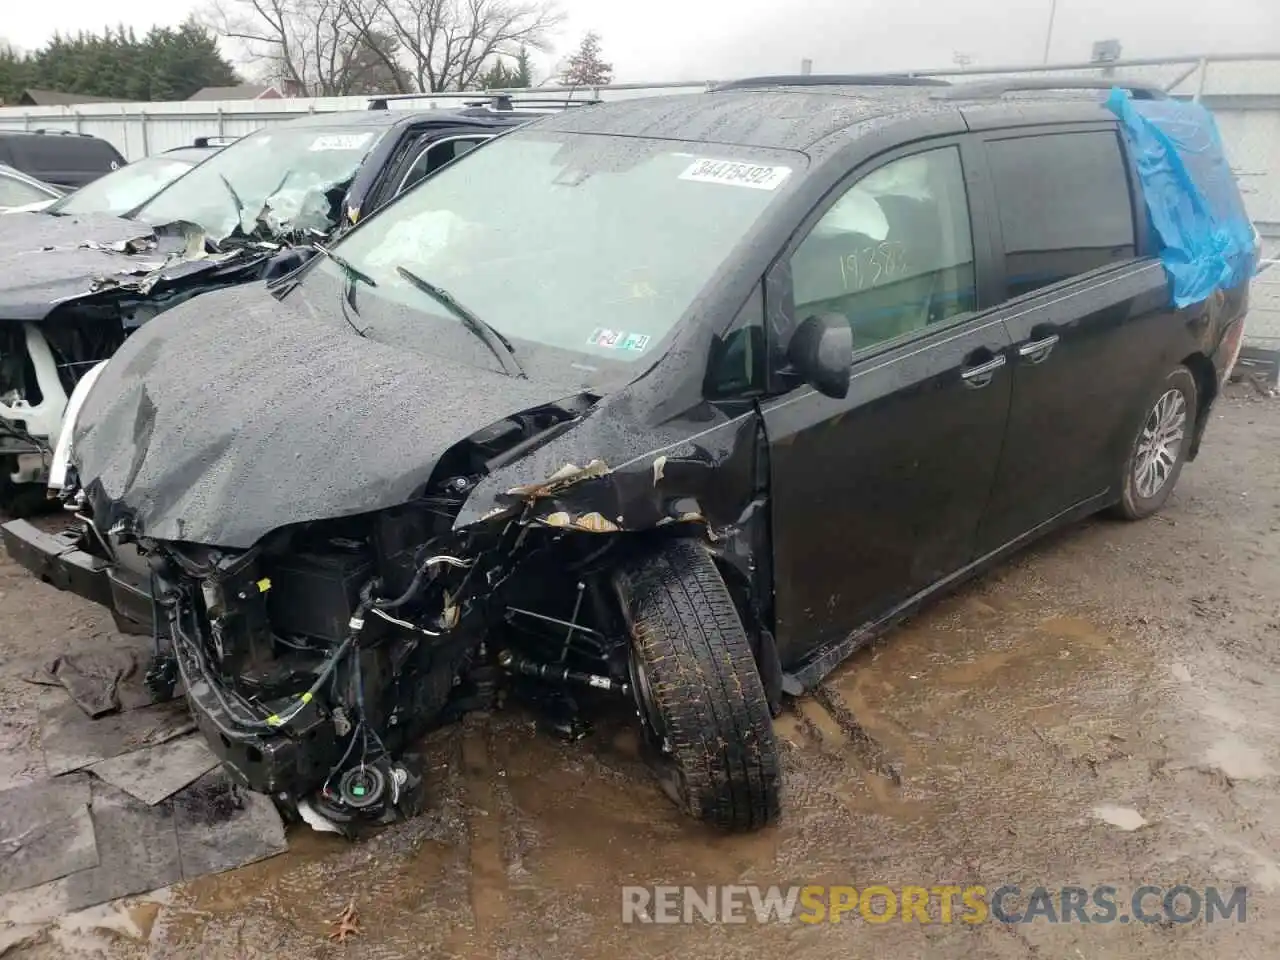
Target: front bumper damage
<point>312,662</point>
<point>315,656</point>
<point>65,561</point>
<point>274,727</point>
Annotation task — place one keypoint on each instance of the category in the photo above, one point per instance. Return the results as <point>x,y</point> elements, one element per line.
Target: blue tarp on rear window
<point>1206,238</point>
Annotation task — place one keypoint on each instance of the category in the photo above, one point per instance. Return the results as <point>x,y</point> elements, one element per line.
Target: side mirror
<point>821,352</point>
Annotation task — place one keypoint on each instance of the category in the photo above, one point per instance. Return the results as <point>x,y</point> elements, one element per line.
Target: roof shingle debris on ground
<point>133,801</point>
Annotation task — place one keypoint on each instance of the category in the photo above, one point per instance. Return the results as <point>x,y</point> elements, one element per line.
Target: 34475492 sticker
<point>340,141</point>
<point>736,174</point>
<point>618,340</point>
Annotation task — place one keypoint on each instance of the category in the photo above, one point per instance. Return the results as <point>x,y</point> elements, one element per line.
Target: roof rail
<point>831,80</point>
<point>497,102</point>
<point>993,89</point>
<point>46,131</point>
<point>381,100</point>
<point>505,102</point>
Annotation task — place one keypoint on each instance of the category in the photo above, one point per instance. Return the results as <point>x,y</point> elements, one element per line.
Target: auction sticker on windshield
<point>734,173</point>
<point>618,340</point>
<point>340,141</point>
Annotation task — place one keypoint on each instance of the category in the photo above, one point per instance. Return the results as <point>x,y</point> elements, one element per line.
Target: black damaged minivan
<point>677,400</point>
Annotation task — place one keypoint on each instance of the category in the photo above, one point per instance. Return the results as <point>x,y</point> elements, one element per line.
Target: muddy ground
<point>1125,665</point>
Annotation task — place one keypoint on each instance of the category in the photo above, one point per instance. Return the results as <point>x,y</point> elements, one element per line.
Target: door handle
<point>981,375</point>
<point>1037,350</point>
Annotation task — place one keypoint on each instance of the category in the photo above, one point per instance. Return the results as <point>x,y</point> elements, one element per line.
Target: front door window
<point>894,254</point>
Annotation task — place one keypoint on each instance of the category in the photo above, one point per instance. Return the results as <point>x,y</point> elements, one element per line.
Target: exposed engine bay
<point>389,550</point>
<point>315,659</point>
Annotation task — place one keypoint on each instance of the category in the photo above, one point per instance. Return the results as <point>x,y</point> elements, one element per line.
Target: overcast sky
<point>648,40</point>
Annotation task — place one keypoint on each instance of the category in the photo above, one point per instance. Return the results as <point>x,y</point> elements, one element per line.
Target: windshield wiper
<point>492,338</point>
<point>347,267</point>
<point>235,198</point>
<point>347,300</point>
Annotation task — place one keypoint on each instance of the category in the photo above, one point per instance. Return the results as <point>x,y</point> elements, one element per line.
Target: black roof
<point>41,132</point>
<point>785,114</point>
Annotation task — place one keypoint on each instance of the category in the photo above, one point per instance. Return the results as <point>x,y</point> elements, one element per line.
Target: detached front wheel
<point>698,690</point>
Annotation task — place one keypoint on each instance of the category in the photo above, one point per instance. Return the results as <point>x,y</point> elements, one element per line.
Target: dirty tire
<point>705,691</point>
<point>1133,504</point>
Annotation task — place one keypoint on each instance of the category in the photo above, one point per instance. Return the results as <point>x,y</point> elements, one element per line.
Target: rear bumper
<point>59,559</point>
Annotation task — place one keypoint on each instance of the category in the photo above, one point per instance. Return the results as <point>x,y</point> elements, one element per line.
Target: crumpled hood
<point>235,414</point>
<point>47,259</point>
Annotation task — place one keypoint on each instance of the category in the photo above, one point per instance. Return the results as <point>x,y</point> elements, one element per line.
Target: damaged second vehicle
<point>76,281</point>
<point>676,401</point>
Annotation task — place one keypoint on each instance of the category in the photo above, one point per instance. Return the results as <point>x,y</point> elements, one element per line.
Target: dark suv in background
<point>65,159</point>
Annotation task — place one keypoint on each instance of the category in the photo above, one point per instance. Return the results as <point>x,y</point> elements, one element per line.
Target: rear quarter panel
<point>1157,338</point>
<point>1161,336</point>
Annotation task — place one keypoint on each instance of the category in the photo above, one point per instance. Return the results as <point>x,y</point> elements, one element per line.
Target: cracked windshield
<point>272,185</point>
<point>588,244</point>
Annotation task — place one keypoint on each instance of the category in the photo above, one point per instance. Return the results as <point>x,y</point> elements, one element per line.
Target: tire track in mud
<point>866,748</point>
<point>831,748</point>
<point>489,893</point>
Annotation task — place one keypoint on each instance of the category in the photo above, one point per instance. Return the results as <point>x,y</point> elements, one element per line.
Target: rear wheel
<point>698,691</point>
<point>1160,448</point>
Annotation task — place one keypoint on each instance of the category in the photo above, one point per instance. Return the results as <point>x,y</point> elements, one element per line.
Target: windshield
<point>586,243</point>
<point>18,191</point>
<point>123,190</point>
<point>274,182</point>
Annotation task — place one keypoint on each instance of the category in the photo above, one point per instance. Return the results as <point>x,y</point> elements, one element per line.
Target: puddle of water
<point>597,829</point>
<point>227,892</point>
<point>1238,760</point>
<point>1122,818</point>
<point>922,669</point>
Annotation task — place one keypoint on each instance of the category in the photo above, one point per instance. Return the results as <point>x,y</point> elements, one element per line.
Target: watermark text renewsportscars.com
<point>974,904</point>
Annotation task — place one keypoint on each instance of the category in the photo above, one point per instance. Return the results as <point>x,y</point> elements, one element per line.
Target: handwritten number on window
<point>871,266</point>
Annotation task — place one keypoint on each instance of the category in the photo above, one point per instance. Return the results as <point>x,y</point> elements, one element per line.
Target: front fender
<point>608,475</point>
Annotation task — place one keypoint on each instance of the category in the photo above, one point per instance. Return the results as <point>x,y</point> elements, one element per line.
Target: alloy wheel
<point>1160,444</point>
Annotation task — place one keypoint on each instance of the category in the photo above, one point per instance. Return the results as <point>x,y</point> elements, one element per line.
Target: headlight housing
<point>62,452</point>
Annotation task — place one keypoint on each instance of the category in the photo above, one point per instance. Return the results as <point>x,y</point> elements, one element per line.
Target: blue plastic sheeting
<point>1206,238</point>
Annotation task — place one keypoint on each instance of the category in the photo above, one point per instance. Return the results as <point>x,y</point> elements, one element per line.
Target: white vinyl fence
<point>141,129</point>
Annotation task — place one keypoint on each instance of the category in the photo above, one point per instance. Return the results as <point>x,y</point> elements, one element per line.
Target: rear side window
<point>64,158</point>
<point>1064,205</point>
<point>435,156</point>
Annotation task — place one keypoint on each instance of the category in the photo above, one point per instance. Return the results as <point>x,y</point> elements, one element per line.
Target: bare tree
<point>319,47</point>
<point>451,43</point>
<point>334,47</point>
